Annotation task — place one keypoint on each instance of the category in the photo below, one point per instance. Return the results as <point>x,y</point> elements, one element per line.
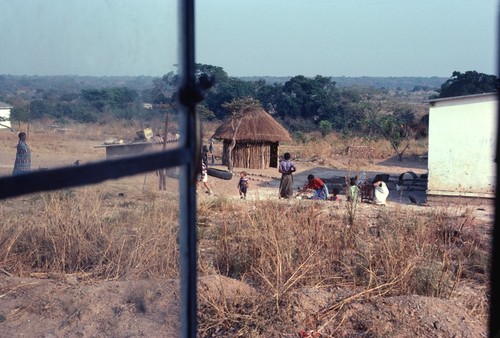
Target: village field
<point>103,260</point>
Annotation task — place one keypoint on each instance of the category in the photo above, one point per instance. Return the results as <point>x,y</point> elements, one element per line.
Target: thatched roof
<point>256,125</point>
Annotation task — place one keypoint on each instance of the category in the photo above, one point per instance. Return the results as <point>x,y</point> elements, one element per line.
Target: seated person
<point>335,195</point>
<point>381,192</point>
<point>353,192</point>
<point>365,189</point>
<point>319,187</point>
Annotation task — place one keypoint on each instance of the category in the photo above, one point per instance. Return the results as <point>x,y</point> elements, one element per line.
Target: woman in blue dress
<point>23,156</point>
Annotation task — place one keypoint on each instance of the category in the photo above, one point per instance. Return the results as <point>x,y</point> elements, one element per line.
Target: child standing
<point>353,191</point>
<point>243,185</point>
<point>203,178</point>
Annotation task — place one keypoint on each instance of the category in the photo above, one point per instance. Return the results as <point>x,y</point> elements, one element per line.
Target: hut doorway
<point>273,163</point>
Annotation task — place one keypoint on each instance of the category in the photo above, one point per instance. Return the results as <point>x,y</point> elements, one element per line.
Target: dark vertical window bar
<point>188,97</point>
<point>187,156</point>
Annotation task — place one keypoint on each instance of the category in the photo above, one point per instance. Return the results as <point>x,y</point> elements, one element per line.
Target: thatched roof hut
<point>257,138</point>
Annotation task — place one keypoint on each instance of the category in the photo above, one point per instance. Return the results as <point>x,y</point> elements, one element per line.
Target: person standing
<point>22,165</point>
<point>353,192</point>
<point>243,185</point>
<point>203,177</point>
<point>286,168</point>
<point>204,154</point>
<point>211,150</point>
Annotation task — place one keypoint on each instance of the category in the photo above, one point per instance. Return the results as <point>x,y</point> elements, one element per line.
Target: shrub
<point>325,127</point>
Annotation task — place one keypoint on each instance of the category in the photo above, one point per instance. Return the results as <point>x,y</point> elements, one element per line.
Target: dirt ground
<point>264,183</point>
<point>51,305</point>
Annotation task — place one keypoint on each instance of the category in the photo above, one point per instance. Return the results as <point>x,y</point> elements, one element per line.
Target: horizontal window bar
<point>11,186</point>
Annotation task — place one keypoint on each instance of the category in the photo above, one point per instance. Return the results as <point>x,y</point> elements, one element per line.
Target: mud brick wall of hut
<point>360,152</point>
<point>251,155</point>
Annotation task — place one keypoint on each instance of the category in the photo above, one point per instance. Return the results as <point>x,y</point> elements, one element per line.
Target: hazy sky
<point>251,37</point>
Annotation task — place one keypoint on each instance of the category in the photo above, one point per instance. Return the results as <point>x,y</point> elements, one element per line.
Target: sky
<point>251,37</point>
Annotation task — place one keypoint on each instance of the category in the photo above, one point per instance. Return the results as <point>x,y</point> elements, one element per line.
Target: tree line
<point>302,104</point>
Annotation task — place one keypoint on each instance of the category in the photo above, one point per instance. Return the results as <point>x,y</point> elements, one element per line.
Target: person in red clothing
<point>319,187</point>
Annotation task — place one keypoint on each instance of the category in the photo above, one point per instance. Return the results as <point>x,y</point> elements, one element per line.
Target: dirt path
<point>264,183</point>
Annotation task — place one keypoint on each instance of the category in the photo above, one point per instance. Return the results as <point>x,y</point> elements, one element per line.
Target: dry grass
<point>280,248</point>
<point>335,146</point>
<point>276,247</point>
<point>80,231</point>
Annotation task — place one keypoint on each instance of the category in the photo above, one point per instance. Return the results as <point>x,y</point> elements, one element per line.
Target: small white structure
<point>5,115</point>
<point>462,146</point>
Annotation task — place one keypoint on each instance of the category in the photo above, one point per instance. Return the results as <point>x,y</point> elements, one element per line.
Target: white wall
<point>462,141</point>
<point>5,113</point>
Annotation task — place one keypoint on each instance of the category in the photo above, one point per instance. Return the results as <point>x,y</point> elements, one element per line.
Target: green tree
<point>205,113</point>
<point>218,74</point>
<point>20,113</point>
<point>38,108</point>
<point>224,89</point>
<point>98,98</point>
<point>226,92</point>
<point>163,89</point>
<point>122,97</point>
<point>68,97</point>
<point>353,111</point>
<point>325,127</point>
<point>404,114</point>
<point>267,94</point>
<point>104,99</point>
<point>396,133</point>
<point>468,83</point>
<point>307,98</point>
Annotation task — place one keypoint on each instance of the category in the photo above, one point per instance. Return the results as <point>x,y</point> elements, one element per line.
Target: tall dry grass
<point>280,248</point>
<point>82,231</point>
<point>335,145</point>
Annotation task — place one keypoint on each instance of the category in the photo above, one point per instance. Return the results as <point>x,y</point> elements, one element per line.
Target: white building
<point>5,115</point>
<point>462,146</point>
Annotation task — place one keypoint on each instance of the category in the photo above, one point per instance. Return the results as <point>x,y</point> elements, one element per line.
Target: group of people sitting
<point>375,192</point>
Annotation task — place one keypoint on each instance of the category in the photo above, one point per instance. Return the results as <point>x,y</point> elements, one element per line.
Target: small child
<point>203,178</point>
<point>336,197</point>
<point>353,191</point>
<point>243,185</point>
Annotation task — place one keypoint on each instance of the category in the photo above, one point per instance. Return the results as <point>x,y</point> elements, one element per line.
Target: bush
<point>325,127</point>
<point>20,113</point>
<point>300,137</point>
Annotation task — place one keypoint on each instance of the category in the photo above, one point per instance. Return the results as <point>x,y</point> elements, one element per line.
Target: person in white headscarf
<point>381,192</point>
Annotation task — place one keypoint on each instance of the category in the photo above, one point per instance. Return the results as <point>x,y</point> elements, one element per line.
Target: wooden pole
<point>162,175</point>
